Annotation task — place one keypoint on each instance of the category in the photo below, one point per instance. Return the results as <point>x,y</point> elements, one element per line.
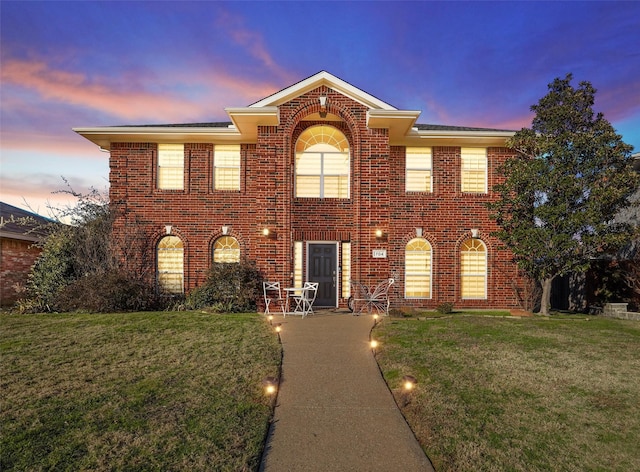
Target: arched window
<point>417,269</point>
<point>170,258</point>
<point>226,250</point>
<point>322,163</point>
<point>473,266</point>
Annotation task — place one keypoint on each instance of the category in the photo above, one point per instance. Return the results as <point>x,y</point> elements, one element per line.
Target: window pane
<point>226,250</point>
<point>473,287</point>
<point>336,187</point>
<point>170,264</point>
<point>227,179</point>
<point>322,134</point>
<point>346,270</point>
<point>418,169</point>
<point>473,264</point>
<point>307,186</point>
<point>226,162</point>
<point>418,158</point>
<point>171,166</point>
<point>418,181</point>
<point>322,163</point>
<point>474,170</point>
<point>297,264</point>
<point>418,269</point>
<point>309,163</point>
<point>336,163</point>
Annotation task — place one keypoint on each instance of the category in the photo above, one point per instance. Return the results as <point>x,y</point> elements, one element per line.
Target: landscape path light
<point>270,385</point>
<point>409,382</point>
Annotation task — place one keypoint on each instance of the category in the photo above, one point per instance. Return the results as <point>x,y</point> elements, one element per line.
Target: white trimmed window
<point>473,263</point>
<point>417,269</point>
<point>171,166</point>
<point>226,167</point>
<point>226,250</point>
<point>418,169</point>
<point>170,258</point>
<point>322,163</point>
<point>474,170</point>
<point>346,270</point>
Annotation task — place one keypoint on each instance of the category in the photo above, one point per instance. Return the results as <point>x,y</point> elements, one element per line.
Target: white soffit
<point>398,122</point>
<point>247,120</point>
<point>453,138</point>
<point>105,135</point>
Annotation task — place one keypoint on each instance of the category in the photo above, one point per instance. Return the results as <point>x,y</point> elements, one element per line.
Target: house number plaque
<point>379,253</point>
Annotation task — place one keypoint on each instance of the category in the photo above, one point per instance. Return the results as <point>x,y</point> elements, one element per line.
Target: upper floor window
<point>226,167</point>
<point>322,163</point>
<point>473,264</point>
<point>171,166</point>
<point>170,260</point>
<point>474,170</point>
<point>226,250</point>
<point>418,167</point>
<point>417,267</point>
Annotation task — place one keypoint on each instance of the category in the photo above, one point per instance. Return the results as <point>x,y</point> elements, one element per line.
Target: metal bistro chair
<point>272,294</point>
<point>304,301</point>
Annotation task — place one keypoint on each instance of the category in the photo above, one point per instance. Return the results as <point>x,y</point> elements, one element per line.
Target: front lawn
<point>139,391</point>
<point>531,394</point>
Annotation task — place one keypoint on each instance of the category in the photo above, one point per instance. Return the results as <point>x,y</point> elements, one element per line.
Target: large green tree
<point>571,176</point>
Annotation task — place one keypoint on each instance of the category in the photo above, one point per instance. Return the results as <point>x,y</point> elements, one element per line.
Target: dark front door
<point>322,269</point>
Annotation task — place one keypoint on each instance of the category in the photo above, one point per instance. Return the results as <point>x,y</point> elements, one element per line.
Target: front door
<point>322,269</point>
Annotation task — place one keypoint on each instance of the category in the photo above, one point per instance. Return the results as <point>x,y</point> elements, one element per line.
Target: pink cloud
<point>68,145</point>
<point>40,193</point>
<point>104,95</point>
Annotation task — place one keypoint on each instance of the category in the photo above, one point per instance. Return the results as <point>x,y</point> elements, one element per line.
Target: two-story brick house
<point>320,182</point>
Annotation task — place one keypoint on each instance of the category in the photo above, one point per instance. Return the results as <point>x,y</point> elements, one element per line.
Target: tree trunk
<point>545,303</point>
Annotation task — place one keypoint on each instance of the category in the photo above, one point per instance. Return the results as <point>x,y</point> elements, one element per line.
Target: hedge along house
<point>320,182</point>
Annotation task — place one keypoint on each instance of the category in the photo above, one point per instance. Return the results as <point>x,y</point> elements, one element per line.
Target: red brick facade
<point>378,199</point>
<point>16,259</point>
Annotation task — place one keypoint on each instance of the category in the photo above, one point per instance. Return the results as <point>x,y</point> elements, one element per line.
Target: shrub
<point>228,288</point>
<point>84,267</point>
<point>445,308</point>
<point>103,293</point>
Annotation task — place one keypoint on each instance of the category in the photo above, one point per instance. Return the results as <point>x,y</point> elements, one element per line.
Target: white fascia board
<point>454,138</point>
<point>385,118</point>
<point>104,136</point>
<point>315,81</point>
<point>430,134</point>
<point>264,116</point>
<point>398,122</point>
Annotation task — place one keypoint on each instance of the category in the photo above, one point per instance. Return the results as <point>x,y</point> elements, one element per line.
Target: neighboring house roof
<point>16,223</point>
<point>244,123</point>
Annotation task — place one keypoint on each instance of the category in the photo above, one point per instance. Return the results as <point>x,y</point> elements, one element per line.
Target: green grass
<point>531,394</point>
<point>140,391</point>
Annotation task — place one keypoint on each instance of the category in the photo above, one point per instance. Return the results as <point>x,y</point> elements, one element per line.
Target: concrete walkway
<point>334,411</point>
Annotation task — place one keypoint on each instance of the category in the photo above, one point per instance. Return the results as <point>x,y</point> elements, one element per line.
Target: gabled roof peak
<point>329,80</point>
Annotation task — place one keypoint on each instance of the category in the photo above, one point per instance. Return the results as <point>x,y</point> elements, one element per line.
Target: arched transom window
<point>417,267</point>
<point>322,163</point>
<point>473,264</point>
<point>170,259</point>
<point>226,250</point>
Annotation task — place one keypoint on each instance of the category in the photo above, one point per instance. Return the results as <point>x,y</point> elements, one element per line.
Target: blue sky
<point>80,64</point>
